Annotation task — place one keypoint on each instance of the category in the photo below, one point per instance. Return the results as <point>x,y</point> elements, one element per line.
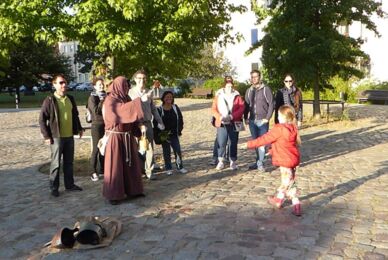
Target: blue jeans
<point>62,146</point>
<point>223,134</point>
<point>258,128</point>
<point>176,147</point>
<point>215,150</point>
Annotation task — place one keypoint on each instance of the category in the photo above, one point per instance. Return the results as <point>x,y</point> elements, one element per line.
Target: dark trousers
<point>96,159</point>
<point>176,147</point>
<point>63,146</point>
<point>225,133</point>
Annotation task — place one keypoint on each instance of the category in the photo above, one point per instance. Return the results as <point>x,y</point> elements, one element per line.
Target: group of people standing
<point>124,116</point>
<point>127,116</point>
<point>230,110</point>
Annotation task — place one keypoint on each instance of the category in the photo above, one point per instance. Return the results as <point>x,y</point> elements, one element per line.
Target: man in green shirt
<point>58,122</point>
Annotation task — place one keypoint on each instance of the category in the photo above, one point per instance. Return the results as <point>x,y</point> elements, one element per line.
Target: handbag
<point>213,121</point>
<point>102,143</point>
<point>143,143</point>
<point>238,126</point>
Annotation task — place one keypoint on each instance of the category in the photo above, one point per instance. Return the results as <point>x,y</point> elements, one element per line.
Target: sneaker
<point>261,168</point>
<point>55,193</point>
<point>74,188</point>
<point>297,211</point>
<point>94,177</point>
<point>213,162</point>
<point>220,166</point>
<point>233,165</point>
<point>275,201</point>
<point>150,176</point>
<point>253,166</point>
<point>168,173</point>
<point>183,171</point>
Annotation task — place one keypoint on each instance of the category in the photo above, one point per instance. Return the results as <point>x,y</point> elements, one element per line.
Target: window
<point>254,36</point>
<point>255,66</point>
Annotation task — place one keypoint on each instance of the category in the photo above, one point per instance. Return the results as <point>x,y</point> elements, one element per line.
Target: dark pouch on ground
<point>90,232</point>
<point>213,121</point>
<point>64,238</point>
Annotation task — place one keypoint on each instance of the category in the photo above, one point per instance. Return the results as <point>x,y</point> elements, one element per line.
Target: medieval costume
<point>122,171</point>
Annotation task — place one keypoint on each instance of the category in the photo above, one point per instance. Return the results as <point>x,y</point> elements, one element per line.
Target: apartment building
<point>69,49</point>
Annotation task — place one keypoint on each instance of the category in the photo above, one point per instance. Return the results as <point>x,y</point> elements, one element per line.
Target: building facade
<point>246,25</point>
<point>69,49</point>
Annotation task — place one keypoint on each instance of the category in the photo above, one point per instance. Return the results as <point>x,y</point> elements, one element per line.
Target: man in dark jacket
<point>58,122</point>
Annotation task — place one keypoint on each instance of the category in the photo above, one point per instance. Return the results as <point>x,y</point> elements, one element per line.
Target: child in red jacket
<point>284,138</point>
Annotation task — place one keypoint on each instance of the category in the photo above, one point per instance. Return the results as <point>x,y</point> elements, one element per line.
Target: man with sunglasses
<point>258,112</point>
<point>58,122</point>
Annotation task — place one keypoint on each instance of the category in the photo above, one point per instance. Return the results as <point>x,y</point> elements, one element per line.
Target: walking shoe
<point>297,211</point>
<point>74,188</point>
<point>253,166</point>
<point>213,162</point>
<point>260,169</point>
<point>220,166</point>
<point>168,173</point>
<point>183,171</point>
<point>275,201</point>
<point>94,177</point>
<point>114,202</point>
<point>55,193</point>
<point>233,165</point>
<point>150,176</point>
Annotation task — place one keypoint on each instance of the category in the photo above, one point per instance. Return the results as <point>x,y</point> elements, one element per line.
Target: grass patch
<point>8,101</point>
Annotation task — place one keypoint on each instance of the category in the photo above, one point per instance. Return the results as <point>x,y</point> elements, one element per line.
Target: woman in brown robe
<point>122,172</point>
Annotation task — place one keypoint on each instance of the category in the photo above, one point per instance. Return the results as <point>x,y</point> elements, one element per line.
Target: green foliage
<point>242,88</point>
<point>164,37</point>
<point>302,38</point>
<point>210,64</point>
<point>214,84</point>
<point>29,60</point>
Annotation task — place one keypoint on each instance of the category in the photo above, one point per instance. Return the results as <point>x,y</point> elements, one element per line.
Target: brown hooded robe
<point>122,171</point>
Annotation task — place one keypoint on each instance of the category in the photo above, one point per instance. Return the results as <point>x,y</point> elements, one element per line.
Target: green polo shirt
<point>65,116</point>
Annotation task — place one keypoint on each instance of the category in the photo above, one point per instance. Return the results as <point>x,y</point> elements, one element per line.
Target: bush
<point>242,88</point>
<point>214,84</point>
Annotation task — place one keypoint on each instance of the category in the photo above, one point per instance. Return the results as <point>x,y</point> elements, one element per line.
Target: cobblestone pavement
<point>207,214</point>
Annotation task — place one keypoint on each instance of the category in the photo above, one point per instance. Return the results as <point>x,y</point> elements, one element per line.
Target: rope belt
<point>127,144</point>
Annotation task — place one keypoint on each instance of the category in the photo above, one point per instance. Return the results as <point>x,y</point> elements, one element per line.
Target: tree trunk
<point>316,105</point>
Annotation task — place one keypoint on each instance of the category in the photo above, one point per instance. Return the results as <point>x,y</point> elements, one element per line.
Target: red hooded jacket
<point>284,149</point>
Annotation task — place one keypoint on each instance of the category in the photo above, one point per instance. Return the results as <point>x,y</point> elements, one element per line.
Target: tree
<point>29,60</point>
<point>210,64</point>
<point>163,37</point>
<point>302,37</point>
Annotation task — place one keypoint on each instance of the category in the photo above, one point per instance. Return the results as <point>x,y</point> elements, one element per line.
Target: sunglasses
<point>288,81</point>
<point>61,82</point>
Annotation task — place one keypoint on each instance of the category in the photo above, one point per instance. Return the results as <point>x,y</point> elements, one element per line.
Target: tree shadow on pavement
<point>331,146</point>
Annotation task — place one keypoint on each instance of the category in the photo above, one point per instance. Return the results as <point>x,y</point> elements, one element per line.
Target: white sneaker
<point>260,168</point>
<point>183,171</point>
<point>168,173</point>
<point>94,177</point>
<point>220,166</point>
<point>233,165</point>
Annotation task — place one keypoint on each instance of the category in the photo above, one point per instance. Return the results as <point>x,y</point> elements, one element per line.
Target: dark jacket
<point>48,118</point>
<point>95,107</point>
<point>258,103</point>
<point>168,124</point>
<point>292,98</point>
